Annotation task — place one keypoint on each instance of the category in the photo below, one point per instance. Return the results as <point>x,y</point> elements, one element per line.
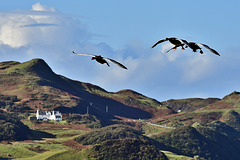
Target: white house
<point>49,115</point>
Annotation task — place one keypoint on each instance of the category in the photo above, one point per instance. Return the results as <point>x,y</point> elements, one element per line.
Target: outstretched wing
<point>91,55</point>
<point>117,63</point>
<point>160,41</point>
<point>184,42</point>
<point>210,49</point>
<point>171,49</point>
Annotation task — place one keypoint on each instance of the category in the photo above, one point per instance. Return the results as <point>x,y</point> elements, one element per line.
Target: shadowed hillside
<point>210,141</point>
<point>38,87</point>
<point>11,128</point>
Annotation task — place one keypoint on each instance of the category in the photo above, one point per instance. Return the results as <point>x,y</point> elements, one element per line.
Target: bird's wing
<point>186,42</point>
<point>183,41</point>
<point>84,54</point>
<point>207,47</point>
<point>171,49</point>
<point>117,63</point>
<point>160,41</point>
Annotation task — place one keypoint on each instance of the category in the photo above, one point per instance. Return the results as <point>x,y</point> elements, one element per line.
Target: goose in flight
<point>195,46</point>
<point>175,41</point>
<point>101,59</point>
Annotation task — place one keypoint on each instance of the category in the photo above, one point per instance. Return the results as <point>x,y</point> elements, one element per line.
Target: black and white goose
<point>101,59</point>
<point>175,41</point>
<point>195,46</point>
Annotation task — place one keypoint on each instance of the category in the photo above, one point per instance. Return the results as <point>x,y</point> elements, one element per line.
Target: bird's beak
<point>92,58</point>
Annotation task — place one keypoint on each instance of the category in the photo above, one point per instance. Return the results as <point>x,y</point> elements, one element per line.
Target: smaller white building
<point>49,115</point>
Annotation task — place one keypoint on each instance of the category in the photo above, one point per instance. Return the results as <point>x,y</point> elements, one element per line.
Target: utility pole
<point>107,109</point>
<point>88,107</point>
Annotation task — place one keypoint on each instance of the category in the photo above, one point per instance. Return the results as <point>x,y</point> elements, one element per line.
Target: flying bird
<point>195,46</point>
<point>101,59</point>
<point>175,41</point>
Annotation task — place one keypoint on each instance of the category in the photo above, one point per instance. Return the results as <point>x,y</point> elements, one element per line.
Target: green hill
<point>189,104</point>
<point>117,149</point>
<point>109,132</point>
<point>38,87</point>
<point>37,67</point>
<point>126,149</point>
<point>232,119</point>
<point>210,141</point>
<point>114,142</point>
<point>11,128</point>
<point>231,101</point>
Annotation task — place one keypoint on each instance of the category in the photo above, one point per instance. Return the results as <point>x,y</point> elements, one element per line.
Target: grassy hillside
<point>90,120</point>
<point>232,118</point>
<point>119,142</point>
<point>109,132</point>
<point>34,67</point>
<point>134,99</point>
<point>11,128</point>
<point>119,149</point>
<point>189,118</point>
<point>38,87</point>
<point>231,101</point>
<point>213,141</point>
<point>128,149</point>
<point>189,104</point>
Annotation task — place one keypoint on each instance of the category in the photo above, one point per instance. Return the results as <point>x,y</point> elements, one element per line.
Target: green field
<point>43,156</point>
<point>39,149</point>
<point>52,148</point>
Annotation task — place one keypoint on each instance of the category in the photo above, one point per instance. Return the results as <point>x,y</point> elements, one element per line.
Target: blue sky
<point>125,31</point>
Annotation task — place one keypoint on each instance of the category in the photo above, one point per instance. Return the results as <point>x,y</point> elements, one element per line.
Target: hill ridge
<point>35,66</point>
<point>37,86</point>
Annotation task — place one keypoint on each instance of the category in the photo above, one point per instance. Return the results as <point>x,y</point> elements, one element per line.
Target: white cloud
<point>41,26</point>
<point>171,55</point>
<point>165,46</point>
<point>197,67</point>
<point>39,7</point>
